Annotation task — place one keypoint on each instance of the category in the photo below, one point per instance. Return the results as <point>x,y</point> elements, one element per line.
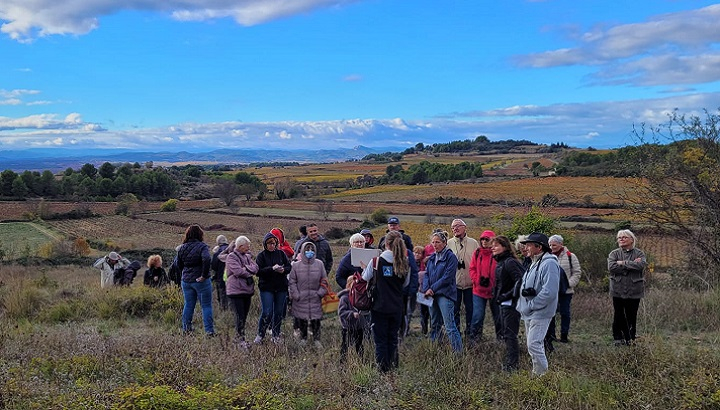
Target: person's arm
<point>575,271</point>
<point>447,278</point>
<point>98,263</point>
<point>639,262</point>
<point>514,271</point>
<point>322,290</point>
<point>413,284</point>
<point>264,268</point>
<point>343,271</point>
<point>234,267</point>
<point>205,253</point>
<point>550,279</point>
<point>328,258</point>
<point>615,260</point>
<point>285,263</point>
<point>249,263</point>
<point>369,271</point>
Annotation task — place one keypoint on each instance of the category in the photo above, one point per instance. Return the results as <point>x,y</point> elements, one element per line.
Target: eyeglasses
<point>623,237</point>
<point>457,226</point>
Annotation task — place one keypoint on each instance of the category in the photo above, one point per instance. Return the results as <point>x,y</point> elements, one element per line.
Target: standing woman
<point>508,272</point>
<point>627,286</point>
<point>482,273</point>
<point>193,261</point>
<point>439,283</point>
<point>306,291</point>
<point>392,275</point>
<point>273,268</point>
<point>346,268</point>
<point>240,285</point>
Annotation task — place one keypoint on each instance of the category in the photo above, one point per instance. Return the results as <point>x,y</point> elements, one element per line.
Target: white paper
<point>424,300</point>
<point>358,255</point>
<point>506,303</point>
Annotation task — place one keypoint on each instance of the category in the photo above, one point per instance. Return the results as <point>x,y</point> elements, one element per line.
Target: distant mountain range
<point>60,159</point>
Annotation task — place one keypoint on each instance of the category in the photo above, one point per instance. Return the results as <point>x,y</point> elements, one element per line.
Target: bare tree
<point>678,189</point>
<point>227,191</point>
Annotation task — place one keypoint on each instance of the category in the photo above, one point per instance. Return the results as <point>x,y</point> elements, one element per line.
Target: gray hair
<point>221,239</point>
<point>242,240</point>
<point>356,237</point>
<point>627,232</point>
<point>556,238</point>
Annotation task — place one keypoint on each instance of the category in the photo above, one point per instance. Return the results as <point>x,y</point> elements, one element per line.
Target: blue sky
<point>199,75</point>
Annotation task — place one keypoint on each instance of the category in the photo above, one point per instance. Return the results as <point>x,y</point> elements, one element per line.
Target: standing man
<point>539,297</point>
<point>107,265</point>
<point>463,247</point>
<point>393,224</point>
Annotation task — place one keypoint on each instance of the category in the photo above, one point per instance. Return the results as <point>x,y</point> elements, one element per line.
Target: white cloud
<point>353,78</point>
<point>600,124</point>
<point>26,20</point>
<point>667,49</point>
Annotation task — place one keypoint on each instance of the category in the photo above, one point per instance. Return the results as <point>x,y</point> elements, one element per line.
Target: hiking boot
<point>564,338</point>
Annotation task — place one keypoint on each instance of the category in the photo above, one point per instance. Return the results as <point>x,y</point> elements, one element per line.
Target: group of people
<point>532,280</point>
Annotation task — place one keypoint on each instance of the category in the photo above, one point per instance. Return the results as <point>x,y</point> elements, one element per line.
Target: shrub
<point>533,221</point>
<point>379,216</point>
<point>170,205</point>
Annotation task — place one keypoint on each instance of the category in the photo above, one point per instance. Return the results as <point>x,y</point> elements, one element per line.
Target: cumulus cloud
<point>673,48</point>
<point>25,20</point>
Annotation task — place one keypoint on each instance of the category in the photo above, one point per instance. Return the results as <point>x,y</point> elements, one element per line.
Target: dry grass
<point>134,358</point>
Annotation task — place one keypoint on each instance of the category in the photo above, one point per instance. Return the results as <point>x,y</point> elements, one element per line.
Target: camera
<point>528,292</point>
<point>461,265</point>
<point>485,281</point>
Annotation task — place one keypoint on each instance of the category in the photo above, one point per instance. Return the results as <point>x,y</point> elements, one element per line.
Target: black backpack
<point>564,282</point>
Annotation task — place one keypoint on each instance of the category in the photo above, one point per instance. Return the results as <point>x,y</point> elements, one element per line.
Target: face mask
<point>309,254</point>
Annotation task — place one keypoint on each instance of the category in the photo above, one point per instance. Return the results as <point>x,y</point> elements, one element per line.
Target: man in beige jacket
<point>463,247</point>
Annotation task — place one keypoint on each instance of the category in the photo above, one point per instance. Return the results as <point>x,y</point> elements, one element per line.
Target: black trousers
<point>241,307</point>
<point>625,318</point>
<point>314,326</point>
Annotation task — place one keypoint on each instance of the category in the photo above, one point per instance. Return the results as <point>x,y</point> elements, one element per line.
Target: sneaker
<point>302,342</point>
<point>276,340</point>
<point>618,342</point>
<point>258,340</point>
<point>318,345</point>
<point>244,345</point>
<point>296,333</point>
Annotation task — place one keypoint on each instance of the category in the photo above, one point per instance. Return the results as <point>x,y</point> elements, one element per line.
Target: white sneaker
<point>318,345</point>
<point>296,333</point>
<point>258,340</point>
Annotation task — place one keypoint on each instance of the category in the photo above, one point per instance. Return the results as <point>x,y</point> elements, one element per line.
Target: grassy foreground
<point>67,344</point>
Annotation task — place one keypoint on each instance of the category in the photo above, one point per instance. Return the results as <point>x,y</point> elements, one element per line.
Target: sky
<point>200,75</point>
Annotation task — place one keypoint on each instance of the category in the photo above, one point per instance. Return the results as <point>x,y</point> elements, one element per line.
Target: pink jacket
<point>482,266</point>
<point>240,268</point>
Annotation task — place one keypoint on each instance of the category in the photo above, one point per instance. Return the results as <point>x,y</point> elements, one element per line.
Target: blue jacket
<point>193,260</point>
<point>344,270</point>
<point>544,276</point>
<point>440,274</point>
<point>412,288</point>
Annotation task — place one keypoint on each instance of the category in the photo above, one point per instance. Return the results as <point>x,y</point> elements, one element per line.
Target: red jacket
<point>482,265</point>
<point>283,244</point>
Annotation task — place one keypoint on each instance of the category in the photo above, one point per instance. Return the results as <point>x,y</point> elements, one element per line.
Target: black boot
<point>564,338</point>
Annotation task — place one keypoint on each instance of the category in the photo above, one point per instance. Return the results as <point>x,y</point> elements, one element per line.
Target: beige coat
<point>463,253</point>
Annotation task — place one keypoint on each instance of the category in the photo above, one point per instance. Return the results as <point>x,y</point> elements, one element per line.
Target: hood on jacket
<point>343,293</point>
<point>307,246</point>
<point>488,234</point>
<point>279,234</point>
<point>267,237</point>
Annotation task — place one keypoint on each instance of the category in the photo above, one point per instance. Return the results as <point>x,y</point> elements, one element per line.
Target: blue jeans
<point>563,308</point>
<point>385,329</point>
<point>273,311</point>
<point>466,296</point>
<point>192,292</point>
<point>442,312</point>
<point>478,317</point>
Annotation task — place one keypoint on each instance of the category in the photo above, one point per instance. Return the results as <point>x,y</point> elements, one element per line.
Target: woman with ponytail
<point>390,274</point>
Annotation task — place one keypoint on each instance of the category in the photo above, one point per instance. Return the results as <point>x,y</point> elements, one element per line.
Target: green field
<point>23,238</point>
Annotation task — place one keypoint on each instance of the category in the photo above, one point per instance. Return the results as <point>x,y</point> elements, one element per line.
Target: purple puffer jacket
<point>305,289</point>
<point>240,268</point>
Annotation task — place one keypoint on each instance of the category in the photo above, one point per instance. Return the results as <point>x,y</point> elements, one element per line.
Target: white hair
<point>520,238</point>
<point>241,240</point>
<point>556,238</point>
<point>629,233</point>
<point>356,237</point>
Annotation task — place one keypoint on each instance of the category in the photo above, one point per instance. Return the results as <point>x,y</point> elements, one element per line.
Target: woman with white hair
<point>626,265</point>
<point>346,268</point>
<point>241,267</point>
<point>570,263</point>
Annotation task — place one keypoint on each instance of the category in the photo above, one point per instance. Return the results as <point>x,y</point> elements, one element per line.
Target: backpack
<point>361,291</point>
